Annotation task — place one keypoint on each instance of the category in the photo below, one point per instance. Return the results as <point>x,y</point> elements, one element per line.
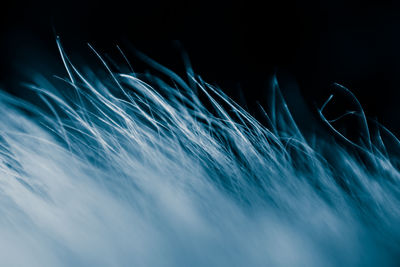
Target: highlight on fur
<point>122,169</point>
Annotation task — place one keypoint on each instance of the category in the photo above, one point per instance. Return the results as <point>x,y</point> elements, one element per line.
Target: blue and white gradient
<point>120,169</point>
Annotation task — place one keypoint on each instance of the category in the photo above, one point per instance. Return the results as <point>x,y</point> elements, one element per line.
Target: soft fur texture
<point>127,170</point>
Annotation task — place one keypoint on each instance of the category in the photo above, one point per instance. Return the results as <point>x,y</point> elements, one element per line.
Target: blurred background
<point>237,45</point>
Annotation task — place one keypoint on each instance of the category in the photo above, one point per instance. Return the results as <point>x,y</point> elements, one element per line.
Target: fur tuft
<point>130,170</point>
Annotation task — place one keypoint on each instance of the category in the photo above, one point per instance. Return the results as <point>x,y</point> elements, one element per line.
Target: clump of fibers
<point>120,169</point>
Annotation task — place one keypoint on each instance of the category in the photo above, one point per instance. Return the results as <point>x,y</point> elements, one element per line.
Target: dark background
<point>236,45</point>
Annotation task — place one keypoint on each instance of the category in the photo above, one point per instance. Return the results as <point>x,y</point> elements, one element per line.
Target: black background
<point>234,44</point>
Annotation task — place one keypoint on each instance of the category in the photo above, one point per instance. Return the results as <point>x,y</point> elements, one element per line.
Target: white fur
<point>119,172</point>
